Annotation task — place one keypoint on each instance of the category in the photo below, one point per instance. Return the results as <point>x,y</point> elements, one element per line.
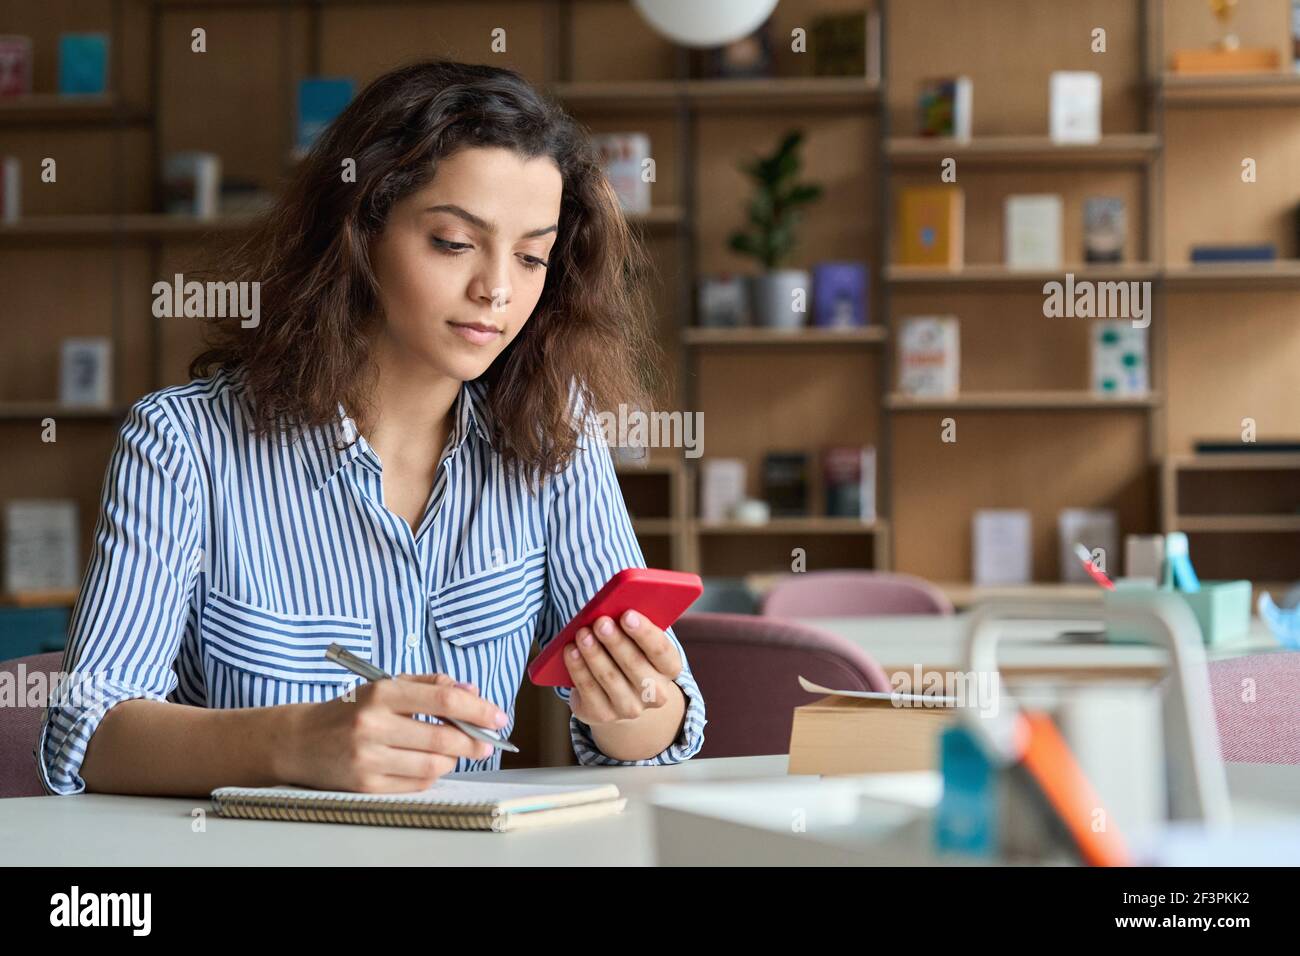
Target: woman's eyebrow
<point>489,227</point>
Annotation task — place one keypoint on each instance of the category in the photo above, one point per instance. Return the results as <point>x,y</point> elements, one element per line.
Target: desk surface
<point>938,642</point>
<point>102,829</point>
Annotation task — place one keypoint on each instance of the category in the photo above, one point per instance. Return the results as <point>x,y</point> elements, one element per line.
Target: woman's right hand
<point>371,743</point>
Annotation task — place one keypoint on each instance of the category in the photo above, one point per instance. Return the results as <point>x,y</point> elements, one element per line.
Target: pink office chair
<point>748,668</point>
<point>19,728</point>
<point>853,594</point>
<point>1265,729</point>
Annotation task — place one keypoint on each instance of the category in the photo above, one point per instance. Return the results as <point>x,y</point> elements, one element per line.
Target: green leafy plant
<point>774,211</point>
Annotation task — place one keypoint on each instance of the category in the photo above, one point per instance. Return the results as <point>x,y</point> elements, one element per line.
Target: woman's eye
<point>448,244</point>
<point>531,263</point>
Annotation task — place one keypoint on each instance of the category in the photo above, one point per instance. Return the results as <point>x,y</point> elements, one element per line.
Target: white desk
<point>99,829</point>
<point>937,643</point>
<point>102,829</point>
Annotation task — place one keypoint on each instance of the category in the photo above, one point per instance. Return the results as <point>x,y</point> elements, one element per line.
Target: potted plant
<point>774,212</point>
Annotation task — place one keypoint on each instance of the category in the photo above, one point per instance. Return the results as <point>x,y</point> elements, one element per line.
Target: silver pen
<point>341,655</point>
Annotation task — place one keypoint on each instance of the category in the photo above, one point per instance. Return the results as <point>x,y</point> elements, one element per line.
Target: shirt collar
<point>326,449</point>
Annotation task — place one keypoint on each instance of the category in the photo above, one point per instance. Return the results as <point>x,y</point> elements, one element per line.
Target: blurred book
<point>1002,547</point>
<point>40,538</point>
<point>320,100</point>
<point>785,483</point>
<point>931,224</point>
<point>839,44</point>
<point>723,302</point>
<point>750,57</point>
<point>192,184</point>
<point>1214,60</point>
<point>839,295</point>
<point>722,487</point>
<point>849,480</point>
<point>11,189</point>
<point>929,356</point>
<point>1094,528</point>
<point>1235,252</point>
<point>945,107</point>
<point>83,63</point>
<point>1075,106</point>
<point>1105,228</point>
<point>1211,446</point>
<point>623,157</point>
<point>86,371</point>
<point>15,65</point>
<point>1119,358</point>
<point>1033,231</point>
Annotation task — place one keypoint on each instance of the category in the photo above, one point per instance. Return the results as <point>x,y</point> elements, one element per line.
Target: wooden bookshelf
<point>1119,148</point>
<point>57,109</point>
<point>1183,91</point>
<point>996,276</point>
<point>784,93</point>
<point>1027,400</point>
<point>1233,276</point>
<point>783,338</point>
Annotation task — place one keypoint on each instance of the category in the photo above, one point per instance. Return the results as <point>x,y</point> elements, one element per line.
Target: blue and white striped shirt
<point>224,564</point>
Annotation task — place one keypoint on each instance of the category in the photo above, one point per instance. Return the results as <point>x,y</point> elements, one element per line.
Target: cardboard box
<point>847,735</point>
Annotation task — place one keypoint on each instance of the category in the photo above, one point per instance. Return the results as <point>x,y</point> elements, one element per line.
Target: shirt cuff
<point>686,745</point>
<point>71,719</point>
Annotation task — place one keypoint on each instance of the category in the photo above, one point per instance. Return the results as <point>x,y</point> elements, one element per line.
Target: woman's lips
<point>475,333</point>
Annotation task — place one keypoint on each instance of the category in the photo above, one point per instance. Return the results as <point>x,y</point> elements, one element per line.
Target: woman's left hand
<point>622,670</point>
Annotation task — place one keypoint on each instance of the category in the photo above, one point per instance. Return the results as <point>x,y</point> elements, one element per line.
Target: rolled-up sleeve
<point>127,624</point>
<point>589,539</point>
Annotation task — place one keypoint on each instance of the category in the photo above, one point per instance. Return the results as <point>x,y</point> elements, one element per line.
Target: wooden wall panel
<point>1008,48</point>
<point>1232,356</point>
<point>1039,461</point>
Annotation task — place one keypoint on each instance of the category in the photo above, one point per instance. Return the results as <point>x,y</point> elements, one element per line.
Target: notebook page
<point>447,792</point>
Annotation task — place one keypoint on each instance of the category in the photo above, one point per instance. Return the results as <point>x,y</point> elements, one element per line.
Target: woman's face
<point>461,263</point>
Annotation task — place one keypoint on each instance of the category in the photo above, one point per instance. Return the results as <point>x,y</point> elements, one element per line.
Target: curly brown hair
<point>589,336</point>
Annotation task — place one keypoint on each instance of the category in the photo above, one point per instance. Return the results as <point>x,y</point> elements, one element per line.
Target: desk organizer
<point>1221,608</point>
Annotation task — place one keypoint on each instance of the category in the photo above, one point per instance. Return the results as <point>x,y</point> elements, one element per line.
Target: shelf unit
<point>755,384</point>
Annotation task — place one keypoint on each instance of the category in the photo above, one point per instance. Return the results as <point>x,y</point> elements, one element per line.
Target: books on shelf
<point>85,372</point>
<point>15,65</point>
<point>40,545</point>
<point>320,100</point>
<point>931,226</point>
<point>1033,231</point>
<point>723,302</point>
<point>840,295</point>
<point>83,63</point>
<point>624,157</point>
<point>945,107</point>
<point>1235,252</point>
<point>1096,530</point>
<point>1075,106</point>
<point>1002,547</point>
<point>785,483</point>
<point>1105,229</point>
<point>849,480</point>
<point>1119,358</point>
<point>722,487</point>
<point>192,184</point>
<point>929,357</point>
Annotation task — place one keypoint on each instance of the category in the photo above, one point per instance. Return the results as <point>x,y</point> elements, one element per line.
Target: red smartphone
<point>661,596</point>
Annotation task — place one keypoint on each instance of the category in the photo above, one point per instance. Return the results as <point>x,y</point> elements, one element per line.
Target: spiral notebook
<point>449,804</point>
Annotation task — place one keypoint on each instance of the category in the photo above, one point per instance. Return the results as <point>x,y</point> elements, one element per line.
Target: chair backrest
<point>748,668</point>
<point>853,594</point>
<point>1256,705</point>
<point>20,725</point>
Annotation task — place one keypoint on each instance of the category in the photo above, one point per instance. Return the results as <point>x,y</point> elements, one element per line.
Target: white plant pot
<point>774,298</point>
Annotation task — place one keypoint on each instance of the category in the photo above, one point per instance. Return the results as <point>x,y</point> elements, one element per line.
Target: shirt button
<point>412,641</point>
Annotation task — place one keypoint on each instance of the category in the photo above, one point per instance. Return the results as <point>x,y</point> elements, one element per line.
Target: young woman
<point>399,455</point>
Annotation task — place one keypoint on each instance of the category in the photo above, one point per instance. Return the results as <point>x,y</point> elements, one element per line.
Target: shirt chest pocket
<point>500,602</point>
<point>258,657</point>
